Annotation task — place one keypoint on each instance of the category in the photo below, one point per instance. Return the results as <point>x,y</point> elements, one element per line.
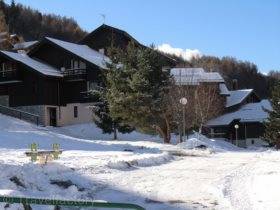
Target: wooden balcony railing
<point>74,74</point>
<point>8,75</point>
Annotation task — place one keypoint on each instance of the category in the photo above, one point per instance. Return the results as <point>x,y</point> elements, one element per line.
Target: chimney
<point>234,84</point>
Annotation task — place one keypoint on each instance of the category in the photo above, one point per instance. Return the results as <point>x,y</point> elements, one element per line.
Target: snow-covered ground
<point>148,173</point>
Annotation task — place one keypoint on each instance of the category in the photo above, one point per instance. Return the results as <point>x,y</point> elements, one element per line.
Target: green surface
<point>79,203</point>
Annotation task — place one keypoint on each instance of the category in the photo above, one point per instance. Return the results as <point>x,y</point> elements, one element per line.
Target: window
<point>6,69</point>
<point>76,64</point>
<point>253,141</point>
<point>75,111</point>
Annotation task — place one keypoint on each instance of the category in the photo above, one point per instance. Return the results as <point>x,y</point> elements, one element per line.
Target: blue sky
<point>245,29</point>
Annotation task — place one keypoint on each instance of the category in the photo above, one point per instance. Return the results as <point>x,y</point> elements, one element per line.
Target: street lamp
<point>184,102</point>
<point>236,126</point>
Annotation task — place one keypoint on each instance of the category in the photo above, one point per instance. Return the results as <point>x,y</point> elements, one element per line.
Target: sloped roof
<point>105,26</point>
<point>194,76</point>
<point>24,45</point>
<point>34,64</point>
<point>252,112</point>
<point>237,96</point>
<point>125,34</point>
<point>223,89</point>
<point>83,52</point>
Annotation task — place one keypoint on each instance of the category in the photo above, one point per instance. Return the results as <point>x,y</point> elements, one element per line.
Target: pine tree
<point>137,88</point>
<point>102,118</point>
<point>272,132</point>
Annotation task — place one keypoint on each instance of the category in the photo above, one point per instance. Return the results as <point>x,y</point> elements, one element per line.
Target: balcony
<point>74,74</point>
<point>8,75</point>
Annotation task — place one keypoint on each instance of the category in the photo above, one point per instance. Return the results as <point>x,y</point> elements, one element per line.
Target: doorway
<point>52,116</point>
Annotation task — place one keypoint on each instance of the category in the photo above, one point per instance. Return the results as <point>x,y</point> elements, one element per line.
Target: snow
<point>194,76</point>
<point>90,131</point>
<point>252,112</point>
<point>237,96</point>
<point>24,45</point>
<point>223,89</point>
<point>216,145</point>
<point>34,64</point>
<point>154,175</point>
<point>84,52</point>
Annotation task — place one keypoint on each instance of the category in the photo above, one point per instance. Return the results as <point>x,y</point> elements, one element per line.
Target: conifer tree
<point>137,88</point>
<point>102,118</point>
<point>272,132</point>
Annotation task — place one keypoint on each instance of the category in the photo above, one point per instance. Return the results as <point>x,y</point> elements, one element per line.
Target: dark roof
<point>124,33</point>
<point>116,30</point>
<point>38,66</point>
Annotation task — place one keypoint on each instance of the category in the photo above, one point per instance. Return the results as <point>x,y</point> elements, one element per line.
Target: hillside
<point>32,24</point>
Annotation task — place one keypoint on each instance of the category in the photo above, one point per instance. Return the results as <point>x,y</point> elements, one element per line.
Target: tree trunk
<point>163,133</point>
<point>168,130</point>
<point>115,132</point>
<point>166,138</point>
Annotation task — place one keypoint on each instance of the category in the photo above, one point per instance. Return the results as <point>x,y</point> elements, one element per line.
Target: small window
<point>75,111</point>
<point>253,141</point>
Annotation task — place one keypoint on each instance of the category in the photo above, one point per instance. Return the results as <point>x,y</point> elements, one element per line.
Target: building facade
<point>243,114</point>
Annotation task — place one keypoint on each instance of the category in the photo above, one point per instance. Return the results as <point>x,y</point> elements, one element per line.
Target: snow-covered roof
<point>34,64</point>
<point>252,112</point>
<point>84,52</point>
<point>223,89</point>
<point>194,76</point>
<point>24,45</point>
<point>237,96</point>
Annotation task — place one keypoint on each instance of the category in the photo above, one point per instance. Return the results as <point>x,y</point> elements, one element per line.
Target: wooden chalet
<point>52,81</point>
<point>243,120</point>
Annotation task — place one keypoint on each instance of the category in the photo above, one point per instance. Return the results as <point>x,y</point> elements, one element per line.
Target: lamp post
<point>236,126</point>
<point>184,102</point>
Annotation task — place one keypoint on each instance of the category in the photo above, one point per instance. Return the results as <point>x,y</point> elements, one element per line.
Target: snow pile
<point>215,145</point>
<point>143,161</point>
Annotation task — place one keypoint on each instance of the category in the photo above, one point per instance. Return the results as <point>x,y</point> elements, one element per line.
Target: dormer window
<point>77,64</point>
